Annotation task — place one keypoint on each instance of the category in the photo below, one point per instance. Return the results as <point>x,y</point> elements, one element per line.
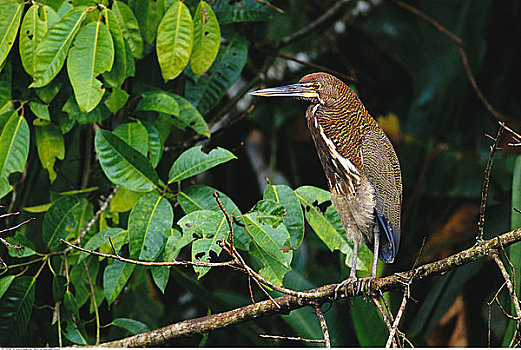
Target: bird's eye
<point>316,86</point>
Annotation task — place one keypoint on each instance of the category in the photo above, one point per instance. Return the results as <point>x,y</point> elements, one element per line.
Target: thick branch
<point>325,293</point>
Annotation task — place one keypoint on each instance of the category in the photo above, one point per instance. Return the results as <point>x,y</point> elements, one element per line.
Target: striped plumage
<point>359,161</point>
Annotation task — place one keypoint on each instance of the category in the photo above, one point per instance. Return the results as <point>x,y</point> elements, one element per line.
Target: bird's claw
<point>344,285</point>
<point>360,286</point>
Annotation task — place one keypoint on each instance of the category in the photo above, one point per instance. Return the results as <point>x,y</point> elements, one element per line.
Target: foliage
<point>137,97</point>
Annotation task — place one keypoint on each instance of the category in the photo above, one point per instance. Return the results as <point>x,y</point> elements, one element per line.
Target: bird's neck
<point>343,122</point>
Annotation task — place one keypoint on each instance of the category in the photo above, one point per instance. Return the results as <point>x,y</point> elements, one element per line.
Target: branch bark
<point>163,336</point>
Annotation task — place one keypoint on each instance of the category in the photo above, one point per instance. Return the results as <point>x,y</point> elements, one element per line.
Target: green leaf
<point>10,21</point>
<point>241,11</point>
<point>268,243</point>
<point>60,220</point>
<point>129,27</point>
<point>75,113</point>
<point>207,39</point>
<point>5,282</point>
<point>269,212</point>
<point>208,90</point>
<point>174,40</point>
<point>294,218</point>
<point>117,75</point>
<point>116,100</point>
<point>133,326</point>
<point>135,135</point>
<point>175,243</point>
<point>162,6</point>
<point>36,22</point>
<point>14,149</point>
<point>91,55</point>
<point>200,197</point>
<point>48,92</point>
<point>327,224</point>
<point>210,227</point>
<point>124,200</point>
<point>70,303</point>
<point>15,309</point>
<point>122,164</point>
<point>194,161</point>
<point>146,15</point>
<point>117,234</point>
<point>40,110</point>
<point>80,280</point>
<point>74,331</point>
<point>514,251</point>
<point>149,219</point>
<point>52,50</point>
<point>160,275</point>
<point>189,116</point>
<point>59,285</point>
<point>158,101</point>
<point>115,278</point>
<point>51,146</point>
<point>155,144</point>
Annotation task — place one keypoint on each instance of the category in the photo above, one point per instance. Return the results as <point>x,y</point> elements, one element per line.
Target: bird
<point>359,161</point>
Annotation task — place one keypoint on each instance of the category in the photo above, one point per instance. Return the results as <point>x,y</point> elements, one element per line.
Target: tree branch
<point>325,293</point>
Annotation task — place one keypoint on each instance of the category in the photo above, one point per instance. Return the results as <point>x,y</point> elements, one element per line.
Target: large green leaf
<point>10,21</point>
<point>36,22</point>
<point>207,38</point>
<point>15,309</point>
<point>209,227</point>
<point>116,100</point>
<point>117,74</point>
<point>155,144</point>
<point>5,282</point>
<point>174,40</point>
<point>122,164</point>
<point>241,11</point>
<point>268,246</point>
<point>91,55</point>
<point>194,161</point>
<point>146,14</point>
<point>60,220</point>
<point>149,219</point>
<point>189,116</point>
<point>199,197</point>
<point>158,101</point>
<point>124,200</point>
<point>207,91</point>
<point>135,135</point>
<point>14,149</point>
<point>52,50</point>
<point>294,218</point>
<point>133,326</point>
<point>514,251</point>
<point>129,27</point>
<point>51,146</point>
<point>327,225</point>
<point>115,278</point>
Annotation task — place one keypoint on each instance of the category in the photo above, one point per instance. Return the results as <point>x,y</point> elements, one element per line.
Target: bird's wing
<point>381,167</point>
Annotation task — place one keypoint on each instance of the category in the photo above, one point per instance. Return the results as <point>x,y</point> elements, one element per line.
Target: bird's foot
<point>364,286</point>
<point>344,285</point>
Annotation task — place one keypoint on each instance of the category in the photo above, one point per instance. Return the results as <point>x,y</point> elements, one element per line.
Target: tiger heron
<point>359,161</point>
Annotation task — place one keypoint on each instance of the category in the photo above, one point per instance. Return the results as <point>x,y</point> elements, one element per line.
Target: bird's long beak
<point>294,90</point>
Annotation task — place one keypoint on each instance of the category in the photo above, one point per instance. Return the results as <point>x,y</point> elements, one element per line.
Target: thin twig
<point>510,286</point>
<point>383,313</point>
<point>486,180</point>
<point>270,6</point>
<point>149,263</point>
<point>96,216</point>
<point>17,226</point>
<point>398,317</point>
<point>291,338</point>
<point>323,325</point>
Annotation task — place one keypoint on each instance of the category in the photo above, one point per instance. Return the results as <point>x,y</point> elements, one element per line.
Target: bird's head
<point>320,88</point>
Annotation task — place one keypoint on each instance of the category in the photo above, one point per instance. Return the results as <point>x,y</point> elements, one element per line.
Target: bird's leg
<point>352,274</point>
<point>365,283</point>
